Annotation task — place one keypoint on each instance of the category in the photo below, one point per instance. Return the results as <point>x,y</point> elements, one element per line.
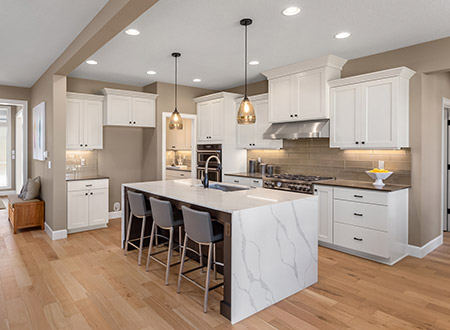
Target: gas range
<point>293,182</point>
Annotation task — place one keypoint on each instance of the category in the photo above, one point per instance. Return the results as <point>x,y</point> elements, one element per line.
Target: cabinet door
<point>310,98</point>
<point>246,134</point>
<point>217,120</point>
<point>74,118</point>
<point>187,136</point>
<point>174,138</point>
<point>262,124</point>
<point>345,128</point>
<point>98,207</point>
<point>77,209</point>
<point>119,110</point>
<point>93,125</point>
<point>204,121</point>
<point>143,112</point>
<point>281,99</point>
<point>325,212</point>
<point>378,113</point>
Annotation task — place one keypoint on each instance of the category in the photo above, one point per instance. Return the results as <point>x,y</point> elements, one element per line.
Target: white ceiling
<point>35,32</point>
<point>209,36</point>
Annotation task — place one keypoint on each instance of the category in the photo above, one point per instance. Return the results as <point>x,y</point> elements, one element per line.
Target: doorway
<point>19,150</point>
<point>446,164</point>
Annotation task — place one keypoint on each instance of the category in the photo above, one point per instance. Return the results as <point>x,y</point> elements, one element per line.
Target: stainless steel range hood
<point>298,130</point>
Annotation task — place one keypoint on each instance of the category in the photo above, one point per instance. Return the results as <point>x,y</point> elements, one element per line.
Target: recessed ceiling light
<point>132,32</point>
<point>196,80</point>
<point>91,62</point>
<point>151,72</point>
<point>342,35</point>
<point>291,11</point>
<point>254,62</point>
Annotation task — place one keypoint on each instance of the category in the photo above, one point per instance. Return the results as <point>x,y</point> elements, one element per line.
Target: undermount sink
<point>227,188</point>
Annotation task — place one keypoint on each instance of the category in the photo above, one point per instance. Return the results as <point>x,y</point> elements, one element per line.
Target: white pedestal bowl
<point>379,177</point>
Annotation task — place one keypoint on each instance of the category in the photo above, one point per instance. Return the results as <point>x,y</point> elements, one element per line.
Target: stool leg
<point>128,233</point>
<point>201,256</point>
<point>214,262</point>
<point>182,262</point>
<point>156,236</point>
<point>141,242</point>
<point>169,254</point>
<point>179,240</point>
<point>152,236</point>
<point>208,272</point>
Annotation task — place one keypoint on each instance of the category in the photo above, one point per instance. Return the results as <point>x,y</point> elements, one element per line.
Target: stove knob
<point>279,184</point>
<point>297,187</point>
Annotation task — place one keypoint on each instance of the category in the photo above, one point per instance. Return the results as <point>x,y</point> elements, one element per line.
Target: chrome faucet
<point>205,180</point>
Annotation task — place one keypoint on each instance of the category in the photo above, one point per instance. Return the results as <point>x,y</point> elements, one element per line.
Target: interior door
<point>93,126</point>
<point>281,99</point>
<point>5,147</point>
<point>74,118</point>
<point>378,113</point>
<point>204,120</point>
<point>77,209</point>
<point>143,112</point>
<point>98,207</point>
<point>345,128</point>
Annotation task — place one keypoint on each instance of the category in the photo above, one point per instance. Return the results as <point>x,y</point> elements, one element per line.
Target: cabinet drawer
<point>361,239</point>
<point>361,195</point>
<point>361,214</point>
<point>175,175</point>
<point>87,184</point>
<point>251,182</point>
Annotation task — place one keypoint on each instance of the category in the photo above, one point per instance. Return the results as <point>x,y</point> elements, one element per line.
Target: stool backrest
<point>162,212</point>
<point>197,225</point>
<point>137,204</point>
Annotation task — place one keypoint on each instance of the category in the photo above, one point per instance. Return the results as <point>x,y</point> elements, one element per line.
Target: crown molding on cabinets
<point>215,96</point>
<point>330,60</point>
<point>82,96</point>
<point>402,71</point>
<point>120,92</point>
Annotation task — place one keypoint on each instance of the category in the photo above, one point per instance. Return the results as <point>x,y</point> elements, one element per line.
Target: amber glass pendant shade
<point>175,123</point>
<point>246,114</point>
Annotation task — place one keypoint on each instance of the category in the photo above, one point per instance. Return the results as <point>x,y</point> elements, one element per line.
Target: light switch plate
<point>381,164</point>
<point>49,164</point>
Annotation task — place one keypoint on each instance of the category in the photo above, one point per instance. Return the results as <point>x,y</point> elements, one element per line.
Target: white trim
<point>444,162</point>
<point>120,92</point>
<point>193,119</point>
<point>8,146</point>
<point>420,252</point>
<point>82,96</point>
<point>402,71</point>
<point>216,96</point>
<point>114,214</point>
<point>55,234</point>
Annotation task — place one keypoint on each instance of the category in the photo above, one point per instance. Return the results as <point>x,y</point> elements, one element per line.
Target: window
<point>5,147</point>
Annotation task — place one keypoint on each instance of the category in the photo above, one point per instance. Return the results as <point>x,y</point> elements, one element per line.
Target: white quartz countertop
<point>191,191</point>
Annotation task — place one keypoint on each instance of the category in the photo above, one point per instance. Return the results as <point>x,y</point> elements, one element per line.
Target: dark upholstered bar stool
<point>201,229</point>
<point>138,209</point>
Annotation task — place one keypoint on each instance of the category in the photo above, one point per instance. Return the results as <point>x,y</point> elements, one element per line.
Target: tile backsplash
<point>173,155</point>
<point>315,157</point>
<point>74,163</point>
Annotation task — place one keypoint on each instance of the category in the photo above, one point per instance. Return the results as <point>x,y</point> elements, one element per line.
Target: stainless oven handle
<point>210,169</point>
<point>209,151</point>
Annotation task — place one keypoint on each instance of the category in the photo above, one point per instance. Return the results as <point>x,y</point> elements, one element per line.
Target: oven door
<point>213,173</point>
<point>203,155</point>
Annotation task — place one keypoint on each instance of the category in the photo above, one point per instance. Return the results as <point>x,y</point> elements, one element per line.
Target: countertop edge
<point>89,178</point>
<point>389,187</point>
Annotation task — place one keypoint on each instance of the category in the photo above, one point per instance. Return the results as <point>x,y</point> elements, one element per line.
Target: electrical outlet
<point>381,164</point>
<point>83,161</point>
<point>49,164</point>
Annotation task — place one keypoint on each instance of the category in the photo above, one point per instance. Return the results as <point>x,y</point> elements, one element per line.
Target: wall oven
<point>204,151</point>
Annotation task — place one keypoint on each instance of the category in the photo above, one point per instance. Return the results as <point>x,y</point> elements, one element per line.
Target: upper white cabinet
<point>371,111</point>
<point>251,136</point>
<point>128,108</point>
<point>84,127</point>
<point>300,91</point>
<point>179,139</point>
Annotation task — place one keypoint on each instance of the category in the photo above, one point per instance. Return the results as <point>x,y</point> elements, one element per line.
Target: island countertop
<point>191,191</point>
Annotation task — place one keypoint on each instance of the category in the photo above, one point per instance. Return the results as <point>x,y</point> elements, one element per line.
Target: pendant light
<point>176,123</point>
<point>246,114</point>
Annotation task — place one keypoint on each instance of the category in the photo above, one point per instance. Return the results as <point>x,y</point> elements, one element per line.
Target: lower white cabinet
<point>245,181</point>
<point>174,175</point>
<point>87,204</point>
<point>367,223</point>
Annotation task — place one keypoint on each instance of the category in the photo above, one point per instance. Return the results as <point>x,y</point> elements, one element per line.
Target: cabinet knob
<point>356,142</point>
<point>86,194</point>
<point>92,193</point>
<point>134,122</point>
<point>295,115</point>
<point>292,116</point>
<point>85,145</point>
<point>130,122</point>
<point>81,145</point>
<point>363,142</point>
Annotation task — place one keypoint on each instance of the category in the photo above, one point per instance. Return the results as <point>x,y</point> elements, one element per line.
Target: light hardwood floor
<point>86,282</point>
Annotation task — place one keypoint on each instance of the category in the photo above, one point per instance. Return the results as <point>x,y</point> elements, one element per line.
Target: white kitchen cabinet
<point>87,204</point>
<point>245,181</point>
<point>251,136</point>
<point>175,175</point>
<point>211,120</point>
<point>84,127</point>
<point>179,139</point>
<point>128,108</point>
<point>366,223</point>
<point>325,195</point>
<point>299,91</point>
<point>371,111</point>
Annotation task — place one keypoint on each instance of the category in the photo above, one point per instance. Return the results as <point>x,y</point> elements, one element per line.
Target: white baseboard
<point>420,252</point>
<point>55,234</point>
<point>115,214</point>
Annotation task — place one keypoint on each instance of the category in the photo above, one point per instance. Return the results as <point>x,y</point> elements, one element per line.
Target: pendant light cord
<point>245,86</point>
<point>176,82</point>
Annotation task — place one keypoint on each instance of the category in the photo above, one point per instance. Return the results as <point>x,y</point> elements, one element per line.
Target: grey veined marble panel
<point>274,254</point>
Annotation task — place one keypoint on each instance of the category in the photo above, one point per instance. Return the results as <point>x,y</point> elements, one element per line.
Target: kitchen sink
<point>227,188</point>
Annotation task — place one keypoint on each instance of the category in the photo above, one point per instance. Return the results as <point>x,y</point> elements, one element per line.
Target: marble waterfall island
<point>270,246</point>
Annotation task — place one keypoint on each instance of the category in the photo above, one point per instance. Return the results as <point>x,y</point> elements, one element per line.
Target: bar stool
<point>138,209</point>
<point>163,217</point>
<point>201,229</point>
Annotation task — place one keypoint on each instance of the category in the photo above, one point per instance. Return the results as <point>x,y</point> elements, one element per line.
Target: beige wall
<point>152,163</point>
<point>88,86</point>
<point>260,87</point>
<point>15,93</point>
